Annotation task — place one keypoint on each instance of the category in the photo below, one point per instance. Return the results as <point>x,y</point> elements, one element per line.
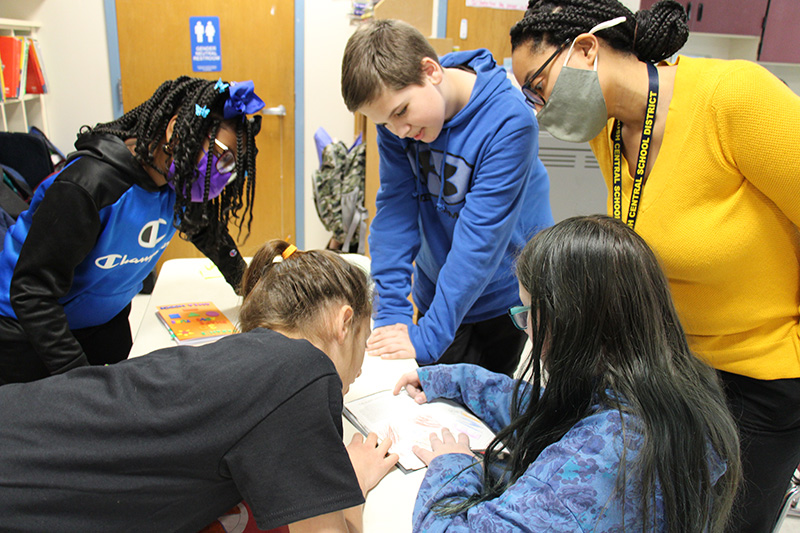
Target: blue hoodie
<point>459,239</point>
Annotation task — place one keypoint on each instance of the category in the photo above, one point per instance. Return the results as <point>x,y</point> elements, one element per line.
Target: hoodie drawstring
<point>440,200</point>
<point>418,177</point>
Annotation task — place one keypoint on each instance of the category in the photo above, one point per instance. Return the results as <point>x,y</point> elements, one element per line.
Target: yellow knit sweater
<point>721,208</point>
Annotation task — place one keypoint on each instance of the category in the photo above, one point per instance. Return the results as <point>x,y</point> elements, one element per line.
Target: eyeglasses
<point>519,316</point>
<point>533,98</point>
<point>226,161</point>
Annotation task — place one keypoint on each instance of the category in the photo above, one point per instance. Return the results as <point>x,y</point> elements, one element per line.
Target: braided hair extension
<point>147,123</point>
<point>652,35</point>
<point>235,196</point>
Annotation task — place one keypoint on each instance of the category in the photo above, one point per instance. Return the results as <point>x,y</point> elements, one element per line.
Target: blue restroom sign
<point>206,50</point>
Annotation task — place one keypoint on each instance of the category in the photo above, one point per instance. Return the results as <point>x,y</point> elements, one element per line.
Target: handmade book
<point>408,423</point>
<point>195,323</point>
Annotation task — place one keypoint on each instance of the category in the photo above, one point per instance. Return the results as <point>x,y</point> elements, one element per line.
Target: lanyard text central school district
<point>644,150</point>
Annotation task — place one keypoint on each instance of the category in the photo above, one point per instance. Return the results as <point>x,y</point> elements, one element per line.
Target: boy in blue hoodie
<point>462,190</point>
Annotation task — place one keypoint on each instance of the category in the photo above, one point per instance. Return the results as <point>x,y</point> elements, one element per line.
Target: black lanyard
<point>644,150</point>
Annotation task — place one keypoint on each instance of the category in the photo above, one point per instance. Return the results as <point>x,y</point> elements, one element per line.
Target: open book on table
<point>195,322</point>
<point>409,423</point>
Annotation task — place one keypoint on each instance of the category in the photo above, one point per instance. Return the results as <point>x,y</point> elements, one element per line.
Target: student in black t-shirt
<point>171,440</point>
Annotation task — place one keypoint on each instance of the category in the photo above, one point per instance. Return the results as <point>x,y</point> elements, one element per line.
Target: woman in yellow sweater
<point>701,158</point>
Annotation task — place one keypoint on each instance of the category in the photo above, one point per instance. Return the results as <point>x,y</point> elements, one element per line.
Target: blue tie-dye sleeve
<point>571,486</point>
<point>485,393</point>
<point>528,505</point>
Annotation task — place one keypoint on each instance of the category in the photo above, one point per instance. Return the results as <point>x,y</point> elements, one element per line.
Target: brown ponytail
<point>291,293</point>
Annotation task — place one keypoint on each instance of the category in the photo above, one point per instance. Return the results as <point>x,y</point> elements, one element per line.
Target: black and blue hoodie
<point>79,254</point>
<point>456,211</point>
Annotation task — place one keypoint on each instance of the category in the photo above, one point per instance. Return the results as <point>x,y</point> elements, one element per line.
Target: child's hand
<point>410,381</point>
<point>369,459</point>
<point>447,444</point>
<point>391,342</point>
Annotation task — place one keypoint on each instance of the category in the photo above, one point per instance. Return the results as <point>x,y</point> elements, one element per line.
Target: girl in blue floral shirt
<point>631,432</point>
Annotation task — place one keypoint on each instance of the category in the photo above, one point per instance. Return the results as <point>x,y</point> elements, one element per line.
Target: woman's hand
<point>410,382</point>
<point>447,444</point>
<point>391,342</point>
<point>370,459</point>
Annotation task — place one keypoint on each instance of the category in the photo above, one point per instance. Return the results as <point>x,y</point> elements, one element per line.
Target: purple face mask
<point>218,179</point>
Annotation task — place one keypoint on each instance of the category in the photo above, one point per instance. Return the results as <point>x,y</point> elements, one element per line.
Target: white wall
<point>75,54</point>
<point>327,28</point>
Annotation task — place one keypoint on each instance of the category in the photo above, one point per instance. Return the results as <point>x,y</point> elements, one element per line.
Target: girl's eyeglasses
<point>519,316</point>
<point>226,160</point>
<point>533,98</point>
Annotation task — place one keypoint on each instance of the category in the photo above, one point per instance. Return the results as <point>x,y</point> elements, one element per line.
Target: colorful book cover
<point>10,54</point>
<point>38,49</point>
<point>23,66</point>
<point>34,83</point>
<point>195,322</point>
<point>2,83</point>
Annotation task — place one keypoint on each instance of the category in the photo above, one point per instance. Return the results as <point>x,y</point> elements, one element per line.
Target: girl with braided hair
<point>700,158</point>
<point>184,160</point>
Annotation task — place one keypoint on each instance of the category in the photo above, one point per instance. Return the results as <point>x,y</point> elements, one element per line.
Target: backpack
<point>339,184</point>
<point>26,159</point>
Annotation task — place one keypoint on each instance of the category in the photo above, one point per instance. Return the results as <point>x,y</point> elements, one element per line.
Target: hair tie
<point>221,85</point>
<point>289,251</point>
<point>285,254</point>
<point>201,111</point>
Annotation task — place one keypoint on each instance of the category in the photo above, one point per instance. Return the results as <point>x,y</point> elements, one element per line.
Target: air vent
<point>558,158</point>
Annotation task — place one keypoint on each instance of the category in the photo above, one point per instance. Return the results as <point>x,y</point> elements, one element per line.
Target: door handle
<point>279,110</point>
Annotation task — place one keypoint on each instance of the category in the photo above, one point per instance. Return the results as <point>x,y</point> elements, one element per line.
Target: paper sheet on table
<point>409,423</point>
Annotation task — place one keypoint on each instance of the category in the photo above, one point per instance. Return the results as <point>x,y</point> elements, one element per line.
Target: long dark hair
<point>291,294</point>
<point>605,331</point>
<point>147,123</point>
<point>652,35</point>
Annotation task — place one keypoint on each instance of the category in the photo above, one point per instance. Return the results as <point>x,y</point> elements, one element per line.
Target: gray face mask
<point>576,111</point>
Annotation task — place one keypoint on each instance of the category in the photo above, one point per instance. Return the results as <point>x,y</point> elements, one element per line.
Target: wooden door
<point>486,28</point>
<point>257,43</point>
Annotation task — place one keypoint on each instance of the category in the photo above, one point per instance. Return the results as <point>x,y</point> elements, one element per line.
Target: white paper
<point>409,423</point>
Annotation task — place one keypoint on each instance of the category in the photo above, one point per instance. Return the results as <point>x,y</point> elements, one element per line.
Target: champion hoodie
<point>78,255</point>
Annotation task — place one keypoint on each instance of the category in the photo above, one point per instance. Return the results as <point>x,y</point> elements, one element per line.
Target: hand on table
<point>370,459</point>
<point>447,444</point>
<point>391,342</point>
<point>410,382</point>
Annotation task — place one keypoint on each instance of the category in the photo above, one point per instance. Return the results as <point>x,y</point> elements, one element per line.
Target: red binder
<point>10,54</point>
<point>34,84</point>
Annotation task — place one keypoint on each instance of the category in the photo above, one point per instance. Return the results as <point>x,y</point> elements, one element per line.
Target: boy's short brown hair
<point>382,54</point>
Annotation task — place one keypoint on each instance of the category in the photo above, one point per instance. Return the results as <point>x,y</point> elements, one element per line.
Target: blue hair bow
<point>242,101</point>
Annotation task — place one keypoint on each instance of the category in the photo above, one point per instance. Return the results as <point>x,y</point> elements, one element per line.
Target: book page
<point>408,423</point>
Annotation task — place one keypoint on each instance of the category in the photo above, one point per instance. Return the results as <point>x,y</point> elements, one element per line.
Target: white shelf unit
<point>19,114</point>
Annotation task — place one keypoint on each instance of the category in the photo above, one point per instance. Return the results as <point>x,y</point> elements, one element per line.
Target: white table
<point>390,504</point>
